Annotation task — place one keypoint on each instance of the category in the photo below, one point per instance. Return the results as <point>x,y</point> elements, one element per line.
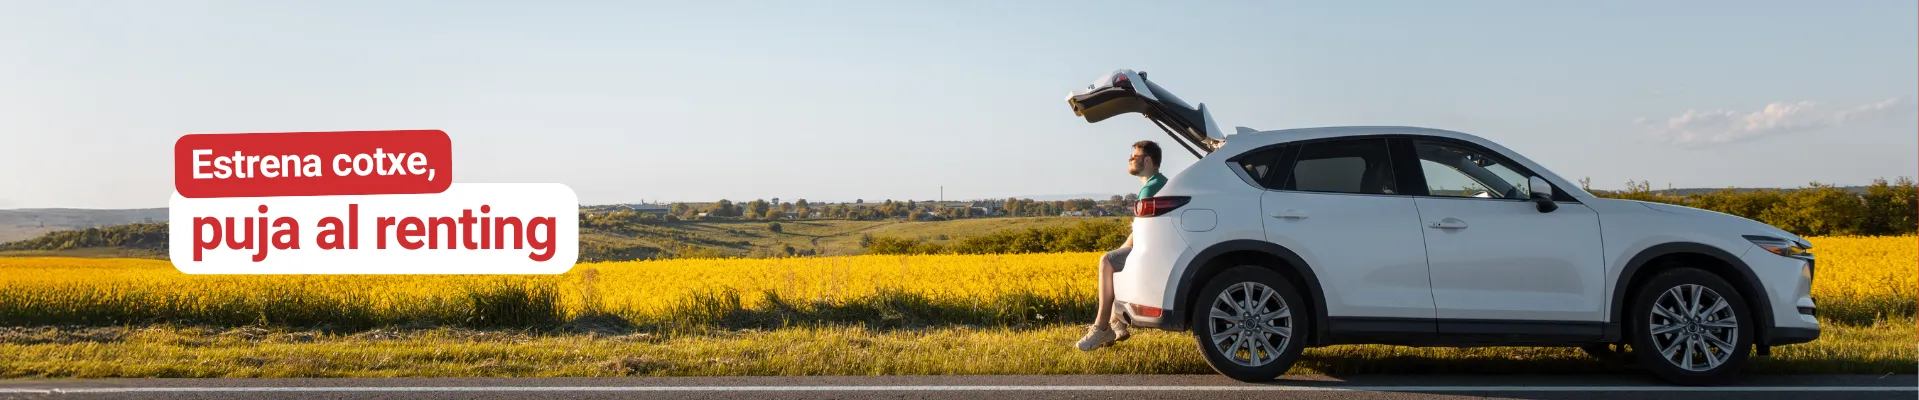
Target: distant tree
<point>1891,207</point>
<point>757,208</point>
<point>801,203</point>
<point>677,209</point>
<point>1822,210</point>
<point>775,227</point>
<point>786,206</point>
<point>722,208</point>
<point>1132,197</point>
<point>772,214</point>
<point>1117,198</point>
<point>859,201</point>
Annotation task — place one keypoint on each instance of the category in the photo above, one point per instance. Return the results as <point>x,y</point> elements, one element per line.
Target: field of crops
<point>1861,279</point>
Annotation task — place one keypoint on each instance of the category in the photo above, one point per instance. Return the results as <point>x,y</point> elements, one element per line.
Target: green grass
<point>166,351</point>
<point>726,238</point>
<point>933,231</point>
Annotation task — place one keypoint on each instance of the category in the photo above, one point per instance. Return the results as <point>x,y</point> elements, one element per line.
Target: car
<point>1276,241</point>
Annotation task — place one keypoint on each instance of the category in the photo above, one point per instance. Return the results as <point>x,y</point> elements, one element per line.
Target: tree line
<point>1880,209</point>
<point>141,236</point>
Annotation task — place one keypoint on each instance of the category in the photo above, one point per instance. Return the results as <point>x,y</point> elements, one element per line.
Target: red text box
<point>312,163</point>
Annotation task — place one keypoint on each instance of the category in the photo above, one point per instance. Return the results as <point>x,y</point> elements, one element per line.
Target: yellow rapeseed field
<point>1864,278</point>
<point>1859,280</point>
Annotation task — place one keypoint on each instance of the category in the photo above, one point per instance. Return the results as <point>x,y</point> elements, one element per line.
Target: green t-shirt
<point>1153,184</point>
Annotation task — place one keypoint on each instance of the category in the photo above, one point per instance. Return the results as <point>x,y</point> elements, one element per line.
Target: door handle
<point>1290,214</point>
<point>1448,223</point>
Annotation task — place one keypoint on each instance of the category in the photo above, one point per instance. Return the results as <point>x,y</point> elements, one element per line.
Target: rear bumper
<point>1137,319</point>
<point>1150,268</point>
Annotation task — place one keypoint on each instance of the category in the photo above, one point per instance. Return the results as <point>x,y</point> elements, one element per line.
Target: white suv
<point>1281,240</point>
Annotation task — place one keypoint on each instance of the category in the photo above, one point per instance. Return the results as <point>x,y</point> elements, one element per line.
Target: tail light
<point>1144,311</point>
<point>1157,206</point>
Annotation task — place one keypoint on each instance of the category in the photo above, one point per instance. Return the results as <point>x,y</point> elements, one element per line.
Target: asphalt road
<point>1625,386</point>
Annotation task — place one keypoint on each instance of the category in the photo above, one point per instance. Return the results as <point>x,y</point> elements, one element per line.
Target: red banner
<point>312,163</point>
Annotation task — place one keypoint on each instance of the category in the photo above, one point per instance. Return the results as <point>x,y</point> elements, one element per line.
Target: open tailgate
<point>1124,91</point>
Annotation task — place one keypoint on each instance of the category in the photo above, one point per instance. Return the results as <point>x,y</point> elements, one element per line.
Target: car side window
<point>1261,165</point>
<point>1459,171</point>
<point>1361,166</point>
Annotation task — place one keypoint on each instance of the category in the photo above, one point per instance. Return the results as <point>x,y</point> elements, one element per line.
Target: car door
<point>1338,206</point>
<point>1499,265</point>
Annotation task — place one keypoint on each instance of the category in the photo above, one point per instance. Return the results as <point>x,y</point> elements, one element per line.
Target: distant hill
<point>29,223</point>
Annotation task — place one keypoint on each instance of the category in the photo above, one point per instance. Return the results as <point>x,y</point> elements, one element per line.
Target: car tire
<point>1704,329</point>
<point>1271,346</point>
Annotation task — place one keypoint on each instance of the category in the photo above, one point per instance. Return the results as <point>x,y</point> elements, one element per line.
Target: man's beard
<point>1131,170</point>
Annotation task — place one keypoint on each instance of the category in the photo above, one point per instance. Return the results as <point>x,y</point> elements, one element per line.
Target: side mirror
<point>1542,194</point>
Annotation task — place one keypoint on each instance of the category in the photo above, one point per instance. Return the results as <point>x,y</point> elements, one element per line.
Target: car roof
<point>1264,138</point>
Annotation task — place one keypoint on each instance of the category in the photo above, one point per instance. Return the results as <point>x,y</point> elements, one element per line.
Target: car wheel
<point>1690,327</point>
<point>1250,323</point>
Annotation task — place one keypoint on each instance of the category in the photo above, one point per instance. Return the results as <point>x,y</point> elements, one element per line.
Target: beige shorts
<point>1117,258</point>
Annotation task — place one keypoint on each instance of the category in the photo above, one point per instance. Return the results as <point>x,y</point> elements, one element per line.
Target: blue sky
<point>625,101</point>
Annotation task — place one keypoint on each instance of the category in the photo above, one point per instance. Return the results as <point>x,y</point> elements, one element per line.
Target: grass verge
<point>164,351</point>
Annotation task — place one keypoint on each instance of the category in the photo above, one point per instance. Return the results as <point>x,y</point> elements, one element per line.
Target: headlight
<point>1781,247</point>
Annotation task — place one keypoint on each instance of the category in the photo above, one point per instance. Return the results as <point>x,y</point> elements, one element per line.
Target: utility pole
<point>942,193</point>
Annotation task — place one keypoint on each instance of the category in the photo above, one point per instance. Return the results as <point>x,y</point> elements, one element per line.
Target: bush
<point>775,227</point>
<point>898,245</point>
<point>691,251</point>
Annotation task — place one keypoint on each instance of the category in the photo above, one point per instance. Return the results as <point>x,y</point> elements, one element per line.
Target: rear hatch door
<point>1125,91</point>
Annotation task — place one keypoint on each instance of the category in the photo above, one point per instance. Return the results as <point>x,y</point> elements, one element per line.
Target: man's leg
<point>1101,333</point>
<point>1103,318</point>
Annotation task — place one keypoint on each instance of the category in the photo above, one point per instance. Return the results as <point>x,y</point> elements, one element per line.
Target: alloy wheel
<point>1693,327</point>
<point>1251,324</point>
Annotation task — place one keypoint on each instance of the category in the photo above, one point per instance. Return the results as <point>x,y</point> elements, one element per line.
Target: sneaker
<point>1095,339</point>
<point>1121,330</point>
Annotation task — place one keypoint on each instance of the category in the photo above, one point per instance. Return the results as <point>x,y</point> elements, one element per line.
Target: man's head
<point>1145,160</point>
